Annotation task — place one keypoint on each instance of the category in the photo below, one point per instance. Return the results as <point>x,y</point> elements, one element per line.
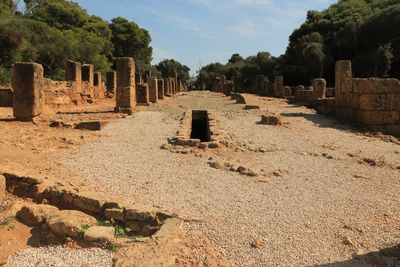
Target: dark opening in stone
<point>200,126</point>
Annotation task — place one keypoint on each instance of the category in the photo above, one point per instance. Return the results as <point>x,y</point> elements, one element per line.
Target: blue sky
<point>198,32</point>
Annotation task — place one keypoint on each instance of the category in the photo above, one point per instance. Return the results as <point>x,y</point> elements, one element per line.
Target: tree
<point>168,67</point>
<point>131,41</point>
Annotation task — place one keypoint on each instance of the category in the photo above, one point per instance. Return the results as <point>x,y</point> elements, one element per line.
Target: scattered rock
<point>90,125</point>
<point>166,146</point>
<point>216,165</point>
<point>213,145</point>
<point>258,242</point>
<point>347,241</point>
<point>271,119</point>
<point>250,107</point>
<point>69,222</point>
<point>33,214</point>
<point>99,233</point>
<point>279,173</point>
<point>139,213</point>
<point>114,214</point>
<point>246,171</point>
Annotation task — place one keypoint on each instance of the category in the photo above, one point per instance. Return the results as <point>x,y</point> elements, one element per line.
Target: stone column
<point>260,85</point>
<point>172,88</point>
<point>343,81</point>
<point>111,82</point>
<point>88,74</point>
<point>160,89</point>
<point>126,91</point>
<point>28,86</point>
<point>279,90</point>
<point>73,71</point>
<point>153,89</point>
<point>98,85</point>
<point>166,87</point>
<point>319,88</point>
<point>142,93</point>
<point>176,82</point>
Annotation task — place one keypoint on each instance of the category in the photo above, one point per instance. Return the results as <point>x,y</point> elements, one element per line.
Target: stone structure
<point>167,88</point>
<point>126,91</point>
<point>28,96</point>
<point>279,90</point>
<point>153,89</point>
<point>88,74</point>
<point>6,97</point>
<point>111,82</point>
<point>160,86</point>
<point>319,88</point>
<point>99,90</point>
<point>261,87</point>
<point>374,103</point>
<point>73,73</point>
<point>177,88</point>
<point>142,93</point>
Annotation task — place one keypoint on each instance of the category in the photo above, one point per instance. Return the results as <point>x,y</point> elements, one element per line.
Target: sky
<point>199,32</point>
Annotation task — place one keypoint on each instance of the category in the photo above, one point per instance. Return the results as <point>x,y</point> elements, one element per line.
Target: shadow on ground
<point>388,257</point>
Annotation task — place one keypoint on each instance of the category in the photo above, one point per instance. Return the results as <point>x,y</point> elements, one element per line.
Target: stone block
<point>153,89</point>
<point>69,222</point>
<point>378,86</point>
<point>126,91</point>
<point>6,97</point>
<point>160,89</point>
<point>142,93</point>
<point>2,188</point>
<point>379,117</point>
<point>111,82</point>
<point>393,129</point>
<point>28,90</point>
<point>393,102</point>
<point>279,90</point>
<point>371,102</point>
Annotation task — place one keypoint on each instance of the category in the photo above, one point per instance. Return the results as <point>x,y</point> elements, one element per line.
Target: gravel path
<point>328,205</point>
<point>61,257</point>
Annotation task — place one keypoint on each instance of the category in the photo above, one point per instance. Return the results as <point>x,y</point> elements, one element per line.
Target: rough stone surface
<point>126,91</point>
<point>160,87</point>
<point>142,93</point>
<point>2,188</point>
<point>111,82</point>
<point>153,89</point>
<point>99,233</point>
<point>69,222</point>
<point>27,83</point>
<point>88,74</point>
<point>35,214</point>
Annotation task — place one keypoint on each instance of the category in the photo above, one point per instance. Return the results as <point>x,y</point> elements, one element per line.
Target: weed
<point>119,231</point>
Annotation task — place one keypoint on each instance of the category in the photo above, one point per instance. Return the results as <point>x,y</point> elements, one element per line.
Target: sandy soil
<point>324,195</point>
<point>324,192</point>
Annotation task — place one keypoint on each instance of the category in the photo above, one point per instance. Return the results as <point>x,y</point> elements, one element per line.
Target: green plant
<point>5,221</point>
<point>113,247</point>
<point>11,227</point>
<point>104,223</point>
<point>119,231</point>
<point>81,233</point>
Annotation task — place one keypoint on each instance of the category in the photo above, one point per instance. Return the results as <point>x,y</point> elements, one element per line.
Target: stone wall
<point>373,103</point>
<point>6,97</point>
<point>59,93</point>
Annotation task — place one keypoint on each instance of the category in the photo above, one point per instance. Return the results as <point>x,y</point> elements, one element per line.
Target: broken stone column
<point>260,84</point>
<point>27,83</point>
<point>153,89</point>
<point>160,89</point>
<point>343,81</point>
<point>166,87</point>
<point>73,71</point>
<point>98,85</point>
<point>142,93</point>
<point>111,82</point>
<point>279,90</point>
<point>319,88</point>
<point>88,74</point>
<point>126,91</point>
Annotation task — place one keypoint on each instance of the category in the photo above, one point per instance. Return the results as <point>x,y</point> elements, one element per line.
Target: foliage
<point>168,67</point>
<point>363,31</point>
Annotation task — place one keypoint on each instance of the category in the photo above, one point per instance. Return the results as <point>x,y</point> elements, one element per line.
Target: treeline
<point>51,31</point>
<point>364,31</point>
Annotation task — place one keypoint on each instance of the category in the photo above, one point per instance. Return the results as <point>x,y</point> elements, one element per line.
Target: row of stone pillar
<point>28,85</point>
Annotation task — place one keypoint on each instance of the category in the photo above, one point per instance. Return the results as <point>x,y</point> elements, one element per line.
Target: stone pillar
<point>126,93</point>
<point>166,87</point>
<point>111,82</point>
<point>160,89</point>
<point>98,85</point>
<point>147,76</point>
<point>172,88</point>
<point>260,85</point>
<point>153,89</point>
<point>176,82</point>
<point>88,74</point>
<point>319,88</point>
<point>343,81</point>
<point>279,90</point>
<point>142,93</point>
<point>73,71</point>
<point>138,75</point>
<point>27,83</point>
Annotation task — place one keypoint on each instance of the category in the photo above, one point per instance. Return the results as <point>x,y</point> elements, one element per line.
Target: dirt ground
<point>324,194</point>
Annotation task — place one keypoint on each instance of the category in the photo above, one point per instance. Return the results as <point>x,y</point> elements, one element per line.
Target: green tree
<point>131,41</point>
<point>168,67</point>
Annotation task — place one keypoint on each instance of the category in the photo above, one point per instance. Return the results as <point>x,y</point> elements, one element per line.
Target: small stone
<point>216,165</point>
<point>278,173</point>
<point>213,145</point>
<point>347,241</point>
<point>258,242</point>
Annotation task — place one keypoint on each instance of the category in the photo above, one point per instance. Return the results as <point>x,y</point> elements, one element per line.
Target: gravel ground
<point>327,204</point>
<point>61,257</point>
